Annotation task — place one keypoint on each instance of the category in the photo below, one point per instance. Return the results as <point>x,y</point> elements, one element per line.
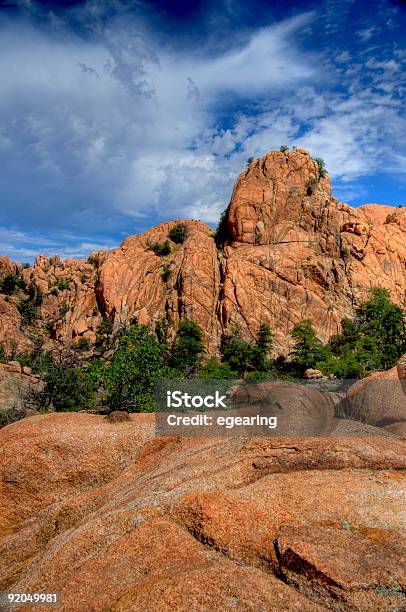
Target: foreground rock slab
<point>113,518</point>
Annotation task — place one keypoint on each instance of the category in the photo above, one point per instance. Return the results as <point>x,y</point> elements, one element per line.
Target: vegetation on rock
<point>178,233</point>
<point>161,249</point>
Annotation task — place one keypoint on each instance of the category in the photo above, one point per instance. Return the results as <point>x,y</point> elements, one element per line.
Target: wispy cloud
<point>112,124</point>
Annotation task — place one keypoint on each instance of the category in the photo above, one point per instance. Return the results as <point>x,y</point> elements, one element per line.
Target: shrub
<point>63,309</point>
<point>311,185</point>
<point>93,259</point>
<point>213,369</point>
<point>83,344</point>
<point>62,284</point>
<point>178,233</point>
<point>166,273</point>
<point>344,251</point>
<point>104,334</point>
<point>54,291</point>
<point>284,149</point>
<point>222,233</point>
<point>67,387</point>
<point>11,283</point>
<point>321,166</point>
<point>26,265</point>
<point>3,354</point>
<point>250,160</point>
<point>24,358</point>
<point>161,249</point>
<point>11,416</point>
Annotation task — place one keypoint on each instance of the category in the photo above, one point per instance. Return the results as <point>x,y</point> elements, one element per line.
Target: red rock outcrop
<point>379,399</point>
<point>113,518</point>
<point>296,252</point>
<point>132,283</point>
<point>293,252</point>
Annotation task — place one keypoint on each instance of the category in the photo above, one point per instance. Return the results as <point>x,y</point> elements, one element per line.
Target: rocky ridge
<point>292,251</point>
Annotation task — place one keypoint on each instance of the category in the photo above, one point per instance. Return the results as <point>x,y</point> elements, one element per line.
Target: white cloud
<point>125,125</point>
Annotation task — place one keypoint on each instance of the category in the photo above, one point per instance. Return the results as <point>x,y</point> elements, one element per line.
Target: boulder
<point>116,518</point>
<point>380,399</point>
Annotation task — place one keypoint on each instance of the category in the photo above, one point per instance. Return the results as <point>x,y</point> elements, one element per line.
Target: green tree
<point>104,335</point>
<point>133,371</point>
<point>214,369</point>
<point>11,283</point>
<point>308,349</point>
<point>321,166</point>
<point>284,149</point>
<point>62,284</point>
<point>237,352</point>
<point>187,348</point>
<point>28,308</point>
<point>261,348</point>
<point>222,231</point>
<point>67,387</point>
<point>384,323</point>
<point>250,160</point>
<point>161,249</point>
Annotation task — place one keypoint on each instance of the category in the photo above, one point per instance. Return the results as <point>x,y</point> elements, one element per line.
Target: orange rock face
<point>293,252</point>
<point>134,283</point>
<point>296,252</point>
<point>113,518</point>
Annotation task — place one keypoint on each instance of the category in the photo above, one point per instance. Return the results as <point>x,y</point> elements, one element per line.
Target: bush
<point>3,354</point>
<point>250,160</point>
<point>178,233</point>
<point>222,232</point>
<point>311,185</point>
<point>166,273</point>
<point>62,284</point>
<point>93,259</point>
<point>344,251</point>
<point>83,344</point>
<point>284,149</point>
<point>67,385</point>
<point>104,333</point>
<point>63,309</point>
<point>161,249</point>
<point>321,166</point>
<point>11,416</point>
<point>213,369</point>
<point>11,283</point>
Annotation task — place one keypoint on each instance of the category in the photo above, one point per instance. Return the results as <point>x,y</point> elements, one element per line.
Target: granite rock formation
<point>291,251</point>
<point>114,518</point>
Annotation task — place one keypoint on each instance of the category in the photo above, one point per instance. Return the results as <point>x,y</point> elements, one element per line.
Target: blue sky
<point>116,115</point>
